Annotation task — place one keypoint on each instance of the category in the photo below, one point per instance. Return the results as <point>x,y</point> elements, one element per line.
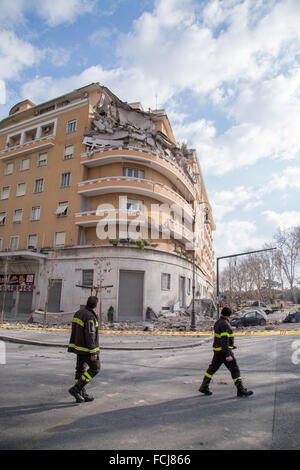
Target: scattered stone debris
<point>167,321</point>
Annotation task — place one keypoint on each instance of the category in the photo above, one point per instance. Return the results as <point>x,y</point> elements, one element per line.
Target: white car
<point>248,317</point>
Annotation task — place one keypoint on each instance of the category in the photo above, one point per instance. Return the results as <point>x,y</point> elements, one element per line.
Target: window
<point>250,315</point>
<point>42,159</point>
<point>38,185</point>
<point>21,189</point>
<point>133,172</point>
<point>65,180</point>
<point>25,164</point>
<point>2,218</point>
<point>68,152</point>
<point>87,277</point>
<point>47,110</point>
<point>62,209</point>
<point>134,205</point>
<point>9,169</point>
<point>165,281</point>
<point>188,287</point>
<point>14,242</point>
<point>35,213</point>
<point>32,241</point>
<point>17,217</point>
<point>71,126</point>
<point>5,192</point>
<point>1,244</point>
<point>60,238</point>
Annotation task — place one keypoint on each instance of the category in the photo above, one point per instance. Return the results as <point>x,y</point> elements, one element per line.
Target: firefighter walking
<point>223,345</point>
<point>84,342</point>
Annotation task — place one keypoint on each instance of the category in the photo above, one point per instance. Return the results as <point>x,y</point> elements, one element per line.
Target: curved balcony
<point>160,163</point>
<point>170,227</point>
<point>136,186</point>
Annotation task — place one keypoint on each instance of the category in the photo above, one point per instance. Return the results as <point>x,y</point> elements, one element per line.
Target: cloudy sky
<point>226,71</point>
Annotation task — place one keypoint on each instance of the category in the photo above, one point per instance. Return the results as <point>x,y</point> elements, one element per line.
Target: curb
<point>58,345</point>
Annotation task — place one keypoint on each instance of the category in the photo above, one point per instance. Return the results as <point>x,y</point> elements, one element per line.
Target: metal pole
<point>233,256</point>
<point>193,318</point>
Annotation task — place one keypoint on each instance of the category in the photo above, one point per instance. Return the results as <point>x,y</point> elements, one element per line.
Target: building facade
<point>96,192</point>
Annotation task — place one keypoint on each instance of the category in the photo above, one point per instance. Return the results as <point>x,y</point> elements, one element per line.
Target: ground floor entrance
<point>131,295</point>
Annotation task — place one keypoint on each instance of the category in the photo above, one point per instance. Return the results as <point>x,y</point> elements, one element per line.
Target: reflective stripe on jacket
<point>223,337</point>
<point>84,336</point>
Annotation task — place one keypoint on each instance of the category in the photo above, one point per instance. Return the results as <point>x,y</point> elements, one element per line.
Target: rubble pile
<point>117,124</point>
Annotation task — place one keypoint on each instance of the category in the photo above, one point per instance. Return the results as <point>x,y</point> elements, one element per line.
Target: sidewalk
<point>111,340</point>
<point>129,340</point>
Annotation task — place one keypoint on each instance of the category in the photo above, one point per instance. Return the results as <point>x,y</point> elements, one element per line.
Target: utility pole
<point>232,256</point>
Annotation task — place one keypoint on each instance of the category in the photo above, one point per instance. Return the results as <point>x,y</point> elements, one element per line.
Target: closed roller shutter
<point>54,295</point>
<point>131,293</point>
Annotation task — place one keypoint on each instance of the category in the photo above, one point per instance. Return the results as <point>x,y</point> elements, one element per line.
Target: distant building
<point>95,191</point>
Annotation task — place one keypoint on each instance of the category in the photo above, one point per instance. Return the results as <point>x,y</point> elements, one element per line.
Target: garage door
<point>25,302</point>
<point>131,294</point>
<point>6,302</point>
<point>54,295</point>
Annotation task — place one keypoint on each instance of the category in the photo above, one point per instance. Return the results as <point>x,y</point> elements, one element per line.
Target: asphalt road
<point>150,399</point>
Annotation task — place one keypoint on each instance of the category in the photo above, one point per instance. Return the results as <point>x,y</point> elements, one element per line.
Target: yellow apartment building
<point>96,192</point>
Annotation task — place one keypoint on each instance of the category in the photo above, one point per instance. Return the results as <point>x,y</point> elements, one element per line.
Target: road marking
<point>83,409</point>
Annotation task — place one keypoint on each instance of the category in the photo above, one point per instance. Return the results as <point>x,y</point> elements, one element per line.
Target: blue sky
<point>226,71</point>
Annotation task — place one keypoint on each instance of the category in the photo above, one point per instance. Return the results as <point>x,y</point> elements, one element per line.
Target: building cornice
<point>36,119</point>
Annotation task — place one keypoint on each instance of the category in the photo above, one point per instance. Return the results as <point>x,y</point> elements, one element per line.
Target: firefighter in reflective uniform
<point>223,346</point>
<point>84,342</point>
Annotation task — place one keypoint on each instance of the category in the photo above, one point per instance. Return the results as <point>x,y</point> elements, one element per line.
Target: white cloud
<point>236,236</point>
<point>2,92</point>
<point>53,12</point>
<point>15,54</point>
<point>101,36</point>
<point>226,201</point>
<point>118,80</point>
<point>240,56</point>
<point>56,12</point>
<point>11,12</point>
<point>59,56</point>
<point>290,178</point>
<point>283,220</point>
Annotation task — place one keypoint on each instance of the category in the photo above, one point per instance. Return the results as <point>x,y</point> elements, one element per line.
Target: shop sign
<point>17,282</point>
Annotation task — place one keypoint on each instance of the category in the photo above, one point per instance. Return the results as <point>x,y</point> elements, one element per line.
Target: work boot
<point>241,390</point>
<point>76,391</point>
<point>85,395</point>
<point>204,387</point>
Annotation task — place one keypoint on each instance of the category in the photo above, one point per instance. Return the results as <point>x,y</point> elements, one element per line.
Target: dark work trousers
<point>84,362</point>
<point>218,359</point>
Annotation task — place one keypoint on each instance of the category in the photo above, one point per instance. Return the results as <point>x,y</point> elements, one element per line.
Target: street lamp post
<point>232,256</point>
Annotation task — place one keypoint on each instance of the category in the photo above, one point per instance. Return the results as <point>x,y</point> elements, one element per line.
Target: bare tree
<point>102,269</point>
<point>288,254</point>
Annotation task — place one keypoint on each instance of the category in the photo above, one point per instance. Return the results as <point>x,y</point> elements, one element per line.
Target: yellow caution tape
<point>161,333</point>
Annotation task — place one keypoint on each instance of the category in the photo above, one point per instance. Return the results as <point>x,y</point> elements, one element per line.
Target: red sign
<point>17,282</point>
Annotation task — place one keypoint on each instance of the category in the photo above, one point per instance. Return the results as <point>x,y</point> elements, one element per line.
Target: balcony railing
<point>134,185</point>
<point>92,218</point>
<point>91,159</point>
<point>27,147</point>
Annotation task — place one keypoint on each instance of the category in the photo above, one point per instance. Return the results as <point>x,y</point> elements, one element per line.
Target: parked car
<point>262,306</point>
<point>292,317</point>
<point>249,317</point>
